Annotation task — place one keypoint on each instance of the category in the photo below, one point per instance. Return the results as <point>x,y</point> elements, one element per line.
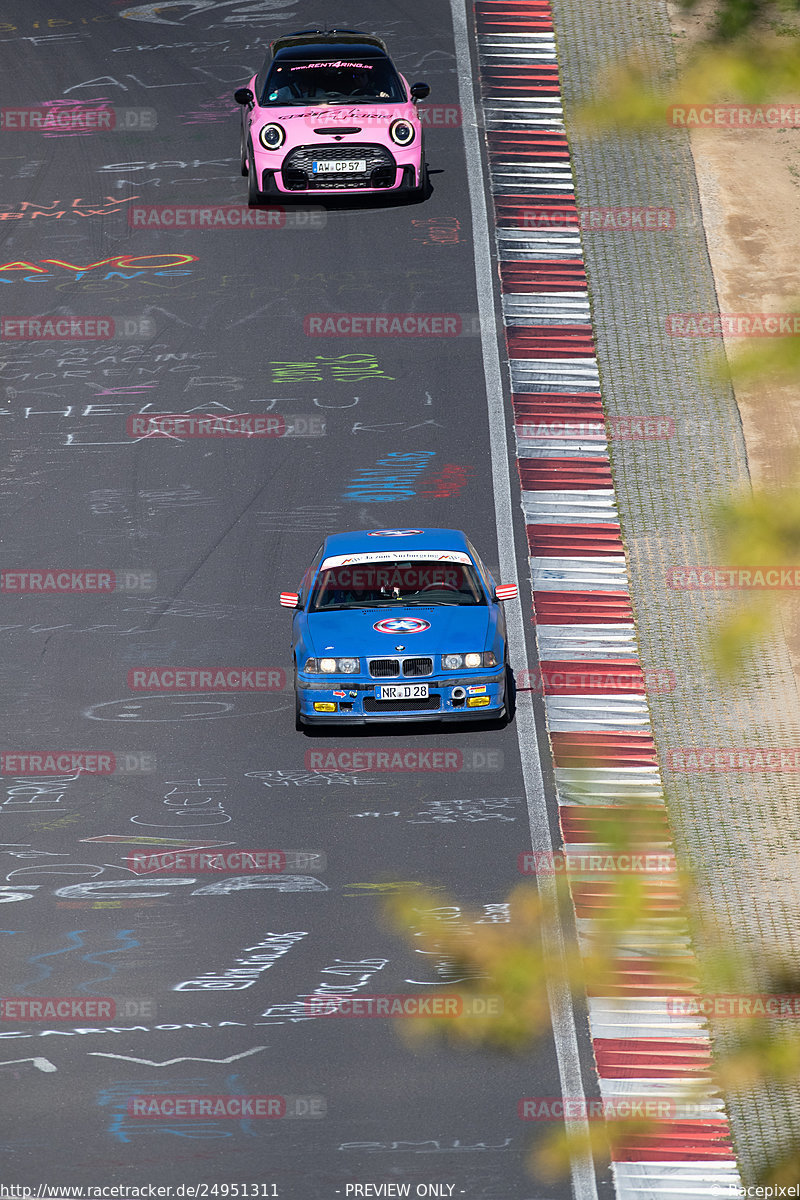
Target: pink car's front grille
<point>298,173</point>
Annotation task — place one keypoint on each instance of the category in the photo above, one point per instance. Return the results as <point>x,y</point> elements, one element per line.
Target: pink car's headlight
<point>271,136</point>
<point>402,133</point>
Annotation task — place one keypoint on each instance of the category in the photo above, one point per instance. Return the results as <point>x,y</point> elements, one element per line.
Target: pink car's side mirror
<point>290,599</point>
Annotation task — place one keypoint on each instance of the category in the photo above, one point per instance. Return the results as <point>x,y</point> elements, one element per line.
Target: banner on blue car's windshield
<point>384,556</point>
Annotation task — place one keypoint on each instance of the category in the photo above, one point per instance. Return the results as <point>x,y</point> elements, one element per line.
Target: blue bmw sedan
<point>398,624</point>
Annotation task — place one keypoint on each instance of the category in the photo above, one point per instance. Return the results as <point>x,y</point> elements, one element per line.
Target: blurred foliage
<point>759,69</point>
<point>732,18</point>
<point>755,529</point>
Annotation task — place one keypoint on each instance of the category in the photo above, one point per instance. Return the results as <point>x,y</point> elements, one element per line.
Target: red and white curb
<point>584,619</point>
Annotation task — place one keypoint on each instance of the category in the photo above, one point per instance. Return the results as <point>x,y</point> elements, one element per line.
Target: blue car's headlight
<point>457,662</point>
<point>331,666</point>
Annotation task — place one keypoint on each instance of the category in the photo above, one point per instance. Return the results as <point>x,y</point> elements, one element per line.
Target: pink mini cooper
<point>328,112</point>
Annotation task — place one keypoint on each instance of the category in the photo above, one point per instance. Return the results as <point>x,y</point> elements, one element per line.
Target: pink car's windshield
<point>339,81</point>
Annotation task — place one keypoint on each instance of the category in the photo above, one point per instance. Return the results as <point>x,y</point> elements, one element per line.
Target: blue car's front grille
<point>417,666</point>
<point>411,668</point>
<point>383,668</point>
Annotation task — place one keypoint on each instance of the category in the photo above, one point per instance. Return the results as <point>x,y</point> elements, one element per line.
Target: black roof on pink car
<point>326,40</point>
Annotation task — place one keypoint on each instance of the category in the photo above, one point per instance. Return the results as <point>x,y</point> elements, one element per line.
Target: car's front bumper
<point>480,695</point>
<point>274,178</point>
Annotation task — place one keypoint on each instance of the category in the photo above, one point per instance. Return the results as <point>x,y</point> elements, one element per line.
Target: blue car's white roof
<point>395,541</point>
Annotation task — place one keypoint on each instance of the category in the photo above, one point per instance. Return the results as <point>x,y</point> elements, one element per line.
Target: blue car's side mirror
<point>506,591</point>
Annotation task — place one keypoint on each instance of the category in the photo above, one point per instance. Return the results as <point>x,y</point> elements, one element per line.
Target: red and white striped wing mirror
<point>506,591</point>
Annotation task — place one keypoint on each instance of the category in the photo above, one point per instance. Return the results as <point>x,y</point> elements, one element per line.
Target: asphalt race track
<point>205,533</point>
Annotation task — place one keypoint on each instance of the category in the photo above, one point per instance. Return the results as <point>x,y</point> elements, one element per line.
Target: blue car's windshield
<point>340,81</point>
<point>396,584</point>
